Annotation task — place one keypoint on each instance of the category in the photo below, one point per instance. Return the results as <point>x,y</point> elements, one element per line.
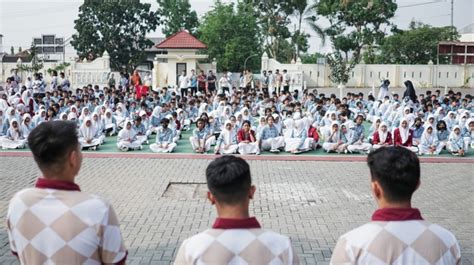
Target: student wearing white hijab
<point>332,138</point>
<point>26,125</point>
<point>14,139</point>
<point>63,117</point>
<point>382,137</point>
<point>403,136</point>
<point>429,142</point>
<point>227,141</point>
<point>88,137</point>
<point>109,123</point>
<point>297,141</point>
<point>456,145</point>
<point>120,115</point>
<point>127,138</point>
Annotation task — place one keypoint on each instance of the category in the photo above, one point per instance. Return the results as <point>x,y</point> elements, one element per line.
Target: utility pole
<point>452,19</point>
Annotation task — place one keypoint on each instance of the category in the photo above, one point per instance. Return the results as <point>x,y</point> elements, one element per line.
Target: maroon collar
<point>397,214</point>
<point>44,183</point>
<point>227,223</point>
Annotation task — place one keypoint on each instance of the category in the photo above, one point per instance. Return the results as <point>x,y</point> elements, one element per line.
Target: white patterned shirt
<point>236,241</point>
<point>397,236</point>
<point>56,223</point>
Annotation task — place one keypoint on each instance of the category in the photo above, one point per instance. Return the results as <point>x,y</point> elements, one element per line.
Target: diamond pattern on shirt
<point>48,226</point>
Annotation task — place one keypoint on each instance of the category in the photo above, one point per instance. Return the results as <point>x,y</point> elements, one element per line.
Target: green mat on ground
<point>184,146</point>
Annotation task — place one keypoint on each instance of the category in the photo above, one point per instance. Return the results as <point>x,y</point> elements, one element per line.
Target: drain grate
<point>185,190</point>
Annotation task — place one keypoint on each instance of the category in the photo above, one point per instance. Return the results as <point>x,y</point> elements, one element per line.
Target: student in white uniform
<point>88,137</point>
<point>456,145</point>
<point>298,141</point>
<point>164,139</point>
<point>429,143</point>
<point>109,123</point>
<point>357,143</point>
<point>14,139</point>
<point>201,139</point>
<point>227,141</point>
<point>332,138</point>
<point>270,138</point>
<point>127,138</point>
<point>26,125</point>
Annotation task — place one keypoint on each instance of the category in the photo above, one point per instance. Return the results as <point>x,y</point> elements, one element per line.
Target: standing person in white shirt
<point>224,83</point>
<point>183,84</point>
<point>271,83</point>
<point>264,82</point>
<point>65,84</point>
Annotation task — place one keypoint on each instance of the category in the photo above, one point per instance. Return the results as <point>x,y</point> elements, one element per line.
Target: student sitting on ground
<point>403,136</point>
<point>429,143</point>
<point>227,141</point>
<point>14,138</point>
<point>164,139</point>
<point>235,237</point>
<point>127,138</point>
<point>397,234</point>
<point>88,135</point>
<point>298,141</point>
<point>201,139</point>
<point>357,143</point>
<point>247,140</point>
<point>382,137</point>
<point>456,145</point>
<point>270,138</point>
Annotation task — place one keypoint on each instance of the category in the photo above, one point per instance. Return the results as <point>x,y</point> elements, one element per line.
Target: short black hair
<point>228,179</point>
<point>397,170</point>
<point>51,142</point>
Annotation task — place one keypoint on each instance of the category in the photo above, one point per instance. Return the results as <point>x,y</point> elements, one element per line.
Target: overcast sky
<point>21,20</point>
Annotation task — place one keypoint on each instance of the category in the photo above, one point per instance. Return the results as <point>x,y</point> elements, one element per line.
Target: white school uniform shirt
<point>183,81</point>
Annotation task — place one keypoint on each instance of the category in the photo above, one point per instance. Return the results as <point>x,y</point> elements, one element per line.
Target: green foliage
<point>59,68</point>
<point>231,34</point>
<point>311,58</point>
<point>340,68</point>
<point>177,15</point>
<point>116,26</point>
<point>36,64</point>
<point>12,50</point>
<point>417,45</point>
<point>353,25</point>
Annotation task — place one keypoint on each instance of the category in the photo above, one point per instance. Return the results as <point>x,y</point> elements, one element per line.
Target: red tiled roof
<point>181,40</point>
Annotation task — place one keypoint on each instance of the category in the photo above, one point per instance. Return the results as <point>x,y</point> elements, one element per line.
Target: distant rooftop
<point>181,40</point>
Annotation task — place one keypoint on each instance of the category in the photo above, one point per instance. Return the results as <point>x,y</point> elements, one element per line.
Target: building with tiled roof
<point>181,40</point>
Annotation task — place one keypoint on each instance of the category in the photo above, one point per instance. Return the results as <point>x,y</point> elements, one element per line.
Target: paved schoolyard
<point>312,202</point>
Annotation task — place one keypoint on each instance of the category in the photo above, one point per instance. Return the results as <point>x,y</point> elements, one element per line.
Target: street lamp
<point>245,62</point>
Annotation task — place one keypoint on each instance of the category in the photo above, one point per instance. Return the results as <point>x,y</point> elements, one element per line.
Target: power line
<point>421,4</point>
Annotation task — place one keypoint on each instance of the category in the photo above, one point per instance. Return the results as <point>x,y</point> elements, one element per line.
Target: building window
<point>455,74</point>
<point>387,75</point>
<point>412,74</point>
<point>439,75</point>
<point>37,41</point>
<point>370,74</point>
<point>48,39</point>
<point>447,74</point>
<point>404,74</point>
<point>420,74</point>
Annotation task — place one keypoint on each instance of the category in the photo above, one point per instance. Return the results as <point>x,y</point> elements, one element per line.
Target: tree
<point>311,58</point>
<point>232,35</point>
<point>417,45</point>
<point>305,12</point>
<point>116,26</point>
<point>12,50</point>
<point>36,64</point>
<point>273,20</point>
<point>20,49</point>
<point>354,25</point>
<point>177,15</point>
